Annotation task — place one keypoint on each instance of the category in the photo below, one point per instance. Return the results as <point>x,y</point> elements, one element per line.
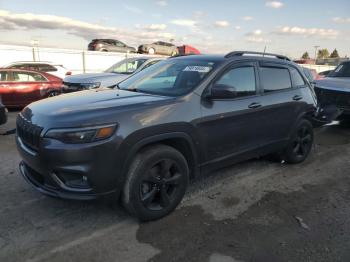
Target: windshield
<point>343,70</point>
<point>126,66</point>
<point>171,77</point>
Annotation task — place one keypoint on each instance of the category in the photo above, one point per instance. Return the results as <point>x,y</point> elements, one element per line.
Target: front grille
<point>338,98</point>
<point>28,132</point>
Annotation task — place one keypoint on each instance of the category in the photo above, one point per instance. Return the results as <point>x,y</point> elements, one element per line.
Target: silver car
<point>110,77</point>
<point>160,48</point>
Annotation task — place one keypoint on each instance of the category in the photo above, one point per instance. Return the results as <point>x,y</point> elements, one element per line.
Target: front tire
<point>156,182</point>
<point>53,93</point>
<point>151,51</point>
<point>300,144</point>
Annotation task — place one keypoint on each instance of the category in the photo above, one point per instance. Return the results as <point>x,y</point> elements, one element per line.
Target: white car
<point>110,77</point>
<point>47,67</point>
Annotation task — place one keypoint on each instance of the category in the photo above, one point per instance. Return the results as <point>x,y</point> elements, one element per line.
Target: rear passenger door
<point>281,100</point>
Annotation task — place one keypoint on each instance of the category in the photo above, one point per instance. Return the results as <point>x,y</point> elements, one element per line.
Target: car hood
<point>88,108</point>
<point>334,83</point>
<point>96,77</point>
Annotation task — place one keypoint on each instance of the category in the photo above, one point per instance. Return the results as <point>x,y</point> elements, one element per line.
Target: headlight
<point>90,85</point>
<point>81,135</point>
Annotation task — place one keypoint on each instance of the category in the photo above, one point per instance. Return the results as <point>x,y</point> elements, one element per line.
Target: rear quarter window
<point>47,68</point>
<point>275,79</point>
<point>297,79</point>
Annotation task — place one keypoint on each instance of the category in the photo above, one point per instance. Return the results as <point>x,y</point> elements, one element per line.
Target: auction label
<point>201,69</point>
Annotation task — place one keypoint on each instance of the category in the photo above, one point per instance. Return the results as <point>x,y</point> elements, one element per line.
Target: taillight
<point>69,73</point>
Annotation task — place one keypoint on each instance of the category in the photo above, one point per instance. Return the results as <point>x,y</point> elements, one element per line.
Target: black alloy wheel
<point>156,182</point>
<point>300,144</point>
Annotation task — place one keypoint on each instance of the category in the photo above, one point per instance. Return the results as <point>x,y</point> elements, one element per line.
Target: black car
<point>145,140</point>
<point>334,90</point>
<point>3,113</point>
<point>110,45</point>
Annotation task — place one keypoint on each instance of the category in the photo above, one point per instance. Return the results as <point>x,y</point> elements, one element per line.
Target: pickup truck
<point>334,90</point>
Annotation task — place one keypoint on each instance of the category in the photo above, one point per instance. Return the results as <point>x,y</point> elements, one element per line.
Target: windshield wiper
<point>133,89</point>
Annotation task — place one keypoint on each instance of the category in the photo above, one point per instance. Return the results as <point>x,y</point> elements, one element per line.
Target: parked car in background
<point>311,74</point>
<point>19,88</point>
<point>187,50</point>
<point>110,45</point>
<point>3,113</point>
<point>144,140</point>
<point>335,89</point>
<point>47,67</point>
<point>160,48</point>
<point>109,78</point>
<point>324,73</point>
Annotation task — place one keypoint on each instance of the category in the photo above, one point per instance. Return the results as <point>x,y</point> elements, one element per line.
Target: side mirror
<point>220,91</point>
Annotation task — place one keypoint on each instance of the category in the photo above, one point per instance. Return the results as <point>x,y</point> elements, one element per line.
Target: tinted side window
<point>296,78</point>
<point>4,76</point>
<point>47,68</point>
<point>242,79</point>
<point>275,78</point>
<point>28,77</point>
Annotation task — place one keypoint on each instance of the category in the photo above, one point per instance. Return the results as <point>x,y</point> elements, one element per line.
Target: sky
<point>288,27</point>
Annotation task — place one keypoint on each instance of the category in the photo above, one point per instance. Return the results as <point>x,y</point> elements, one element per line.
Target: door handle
<point>297,97</point>
<point>254,105</point>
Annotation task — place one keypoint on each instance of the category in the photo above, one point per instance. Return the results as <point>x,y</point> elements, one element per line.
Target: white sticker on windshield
<point>201,69</point>
<point>338,68</point>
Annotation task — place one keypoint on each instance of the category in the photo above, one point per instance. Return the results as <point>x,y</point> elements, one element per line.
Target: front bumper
<point>81,172</point>
<point>35,179</point>
<point>340,99</point>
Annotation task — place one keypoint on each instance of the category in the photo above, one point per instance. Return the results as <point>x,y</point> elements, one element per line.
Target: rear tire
<point>156,182</point>
<point>300,144</point>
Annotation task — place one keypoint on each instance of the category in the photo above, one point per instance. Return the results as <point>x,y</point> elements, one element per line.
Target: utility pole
<point>316,47</point>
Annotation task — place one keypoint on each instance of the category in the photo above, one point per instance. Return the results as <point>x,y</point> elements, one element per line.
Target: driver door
<point>232,126</point>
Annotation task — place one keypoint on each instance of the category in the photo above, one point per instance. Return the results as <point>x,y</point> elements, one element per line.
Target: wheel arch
<point>178,140</point>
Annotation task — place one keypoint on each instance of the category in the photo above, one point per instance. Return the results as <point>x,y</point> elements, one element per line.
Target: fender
<point>308,115</point>
<point>158,138</point>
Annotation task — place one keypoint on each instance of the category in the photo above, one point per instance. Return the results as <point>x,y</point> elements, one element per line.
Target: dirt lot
<point>254,211</point>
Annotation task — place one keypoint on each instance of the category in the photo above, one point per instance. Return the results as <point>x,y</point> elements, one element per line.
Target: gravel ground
<point>254,211</point>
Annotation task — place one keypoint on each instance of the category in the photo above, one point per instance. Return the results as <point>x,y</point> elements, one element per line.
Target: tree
<point>334,54</point>
<point>305,56</point>
<point>323,53</point>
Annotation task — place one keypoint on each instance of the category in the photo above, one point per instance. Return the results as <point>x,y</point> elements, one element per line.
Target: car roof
<point>148,57</point>
<point>20,70</point>
<point>35,62</point>
<point>223,58</point>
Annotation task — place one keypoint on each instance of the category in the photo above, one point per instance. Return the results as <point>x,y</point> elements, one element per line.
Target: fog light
<point>72,182</point>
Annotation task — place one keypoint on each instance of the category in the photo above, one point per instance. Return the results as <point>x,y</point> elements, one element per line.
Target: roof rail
<point>241,53</point>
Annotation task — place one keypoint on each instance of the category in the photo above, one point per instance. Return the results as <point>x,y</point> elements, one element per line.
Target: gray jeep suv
<point>143,141</point>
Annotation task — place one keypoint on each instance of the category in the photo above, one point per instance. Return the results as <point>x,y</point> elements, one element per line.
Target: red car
<point>19,88</point>
<point>188,50</point>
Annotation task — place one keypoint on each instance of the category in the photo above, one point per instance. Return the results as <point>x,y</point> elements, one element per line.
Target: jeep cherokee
<point>143,141</point>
